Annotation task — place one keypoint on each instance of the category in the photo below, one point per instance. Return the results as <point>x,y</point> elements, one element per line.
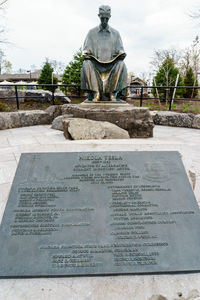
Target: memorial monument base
<point>88,103</point>
<point>136,120</point>
<point>100,213</point>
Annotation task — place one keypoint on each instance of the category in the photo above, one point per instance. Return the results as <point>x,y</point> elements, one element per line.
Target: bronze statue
<point>104,74</point>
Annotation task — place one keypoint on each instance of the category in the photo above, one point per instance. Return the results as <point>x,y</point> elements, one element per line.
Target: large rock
<point>82,129</point>
<point>196,122</point>
<point>136,120</point>
<point>169,118</point>
<point>23,118</point>
<point>57,122</point>
<point>34,117</point>
<point>38,95</point>
<point>10,95</point>
<point>59,95</point>
<point>54,111</point>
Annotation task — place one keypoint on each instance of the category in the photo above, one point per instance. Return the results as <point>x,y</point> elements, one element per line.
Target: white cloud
<point>56,29</point>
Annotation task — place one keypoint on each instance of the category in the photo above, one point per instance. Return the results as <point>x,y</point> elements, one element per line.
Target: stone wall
<point>169,118</point>
<point>24,118</point>
<point>137,121</point>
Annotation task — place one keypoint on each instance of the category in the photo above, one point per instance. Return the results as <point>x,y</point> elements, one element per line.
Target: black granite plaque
<point>100,213</point>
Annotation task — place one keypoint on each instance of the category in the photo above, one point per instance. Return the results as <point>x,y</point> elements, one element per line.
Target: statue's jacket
<point>103,69</point>
<point>104,45</point>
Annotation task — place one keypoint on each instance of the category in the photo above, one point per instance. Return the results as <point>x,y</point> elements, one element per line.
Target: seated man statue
<point>104,74</point>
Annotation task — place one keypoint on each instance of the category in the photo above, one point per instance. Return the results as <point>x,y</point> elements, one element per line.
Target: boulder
<point>169,118</point>
<point>23,118</point>
<point>54,111</point>
<point>196,122</point>
<point>59,95</point>
<point>34,117</point>
<point>10,95</point>
<point>38,95</point>
<point>83,129</point>
<point>57,122</point>
<point>9,120</point>
<point>2,122</point>
<point>136,120</point>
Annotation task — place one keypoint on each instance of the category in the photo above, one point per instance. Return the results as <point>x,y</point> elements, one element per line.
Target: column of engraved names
<point>91,169</point>
<point>132,226</point>
<point>38,211</point>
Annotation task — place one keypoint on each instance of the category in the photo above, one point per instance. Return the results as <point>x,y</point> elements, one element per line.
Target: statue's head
<point>104,14</point>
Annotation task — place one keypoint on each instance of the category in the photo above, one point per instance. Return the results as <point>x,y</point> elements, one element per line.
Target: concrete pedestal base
<point>104,104</point>
<point>136,120</point>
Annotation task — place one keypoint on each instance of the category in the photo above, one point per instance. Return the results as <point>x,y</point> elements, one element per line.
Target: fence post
<point>53,97</point>
<point>79,91</point>
<point>171,99</point>
<point>16,95</point>
<point>141,96</point>
<point>165,95</point>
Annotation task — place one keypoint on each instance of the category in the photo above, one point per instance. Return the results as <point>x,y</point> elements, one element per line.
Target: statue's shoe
<point>96,97</point>
<point>112,97</point>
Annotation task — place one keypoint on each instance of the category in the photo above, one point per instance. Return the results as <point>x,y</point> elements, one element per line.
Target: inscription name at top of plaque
<point>99,213</point>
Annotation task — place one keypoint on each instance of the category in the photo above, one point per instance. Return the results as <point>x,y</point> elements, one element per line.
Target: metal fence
<point>48,87</point>
<point>168,92</point>
<point>142,92</point>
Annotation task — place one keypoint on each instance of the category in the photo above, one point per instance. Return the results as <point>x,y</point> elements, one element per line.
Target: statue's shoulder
<point>93,30</point>
<point>113,30</point>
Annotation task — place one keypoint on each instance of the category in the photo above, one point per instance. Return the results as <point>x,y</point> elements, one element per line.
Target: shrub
<point>3,106</point>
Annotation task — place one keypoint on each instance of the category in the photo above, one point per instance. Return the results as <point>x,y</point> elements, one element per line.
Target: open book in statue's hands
<point>120,55</point>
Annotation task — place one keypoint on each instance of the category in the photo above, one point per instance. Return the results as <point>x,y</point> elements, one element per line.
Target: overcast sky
<point>56,28</point>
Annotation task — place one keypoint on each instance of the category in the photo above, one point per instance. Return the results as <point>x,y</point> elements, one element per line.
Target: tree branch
<point>3,2</point>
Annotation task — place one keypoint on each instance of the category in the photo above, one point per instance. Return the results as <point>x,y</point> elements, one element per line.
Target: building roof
<point>137,81</point>
<point>24,77</point>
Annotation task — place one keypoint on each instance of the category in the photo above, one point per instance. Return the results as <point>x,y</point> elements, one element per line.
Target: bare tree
<point>167,59</point>
<point>33,68</point>
<point>191,58</point>
<point>7,67</point>
<point>146,77</point>
<point>161,55</point>
<point>2,55</point>
<point>21,71</point>
<point>185,61</point>
<point>196,56</point>
<point>2,29</point>
<point>58,66</point>
<point>195,14</point>
<point>3,2</point>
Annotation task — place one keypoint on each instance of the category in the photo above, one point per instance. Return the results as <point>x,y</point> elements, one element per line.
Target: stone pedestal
<point>136,120</point>
<point>116,103</point>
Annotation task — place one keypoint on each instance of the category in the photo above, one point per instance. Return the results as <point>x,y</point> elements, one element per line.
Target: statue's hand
<point>86,55</point>
<point>114,55</point>
<point>122,56</point>
<point>119,55</point>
